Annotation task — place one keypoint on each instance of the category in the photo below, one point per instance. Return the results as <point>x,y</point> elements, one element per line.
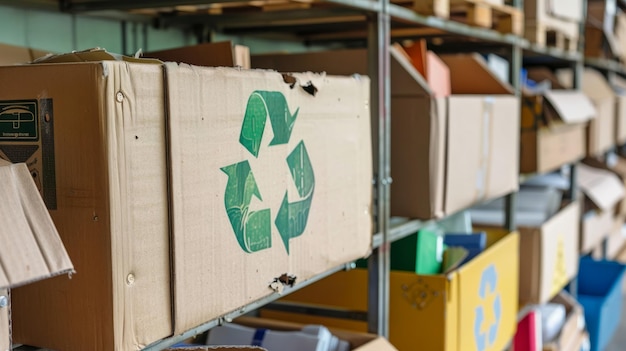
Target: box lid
<point>571,106</point>
<point>592,83</point>
<point>602,187</point>
<point>31,247</point>
<point>470,74</point>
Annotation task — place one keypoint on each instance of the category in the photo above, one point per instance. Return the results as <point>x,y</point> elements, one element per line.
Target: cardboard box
<point>600,294</point>
<point>31,247</point>
<point>472,308</point>
<point>134,148</point>
<point>223,54</point>
<point>553,129</point>
<point>446,153</point>
<point>334,191</point>
<point>601,135</point>
<point>11,54</point>
<point>549,256</point>
<point>574,327</point>
<point>617,166</point>
<point>603,190</point>
<point>358,341</point>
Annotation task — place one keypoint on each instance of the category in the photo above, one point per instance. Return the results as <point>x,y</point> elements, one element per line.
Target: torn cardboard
<point>603,190</point>
<point>31,247</point>
<point>223,54</point>
<point>446,153</point>
<point>601,134</point>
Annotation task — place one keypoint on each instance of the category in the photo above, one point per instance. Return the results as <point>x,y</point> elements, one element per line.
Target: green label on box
<point>19,120</point>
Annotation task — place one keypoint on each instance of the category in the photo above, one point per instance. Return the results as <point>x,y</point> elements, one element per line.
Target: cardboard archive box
<point>616,240</point>
<point>573,328</point>
<point>147,177</point>
<point>602,132</point>
<point>446,152</point>
<point>553,129</point>
<point>549,255</point>
<point>603,190</point>
<point>474,307</point>
<point>31,247</point>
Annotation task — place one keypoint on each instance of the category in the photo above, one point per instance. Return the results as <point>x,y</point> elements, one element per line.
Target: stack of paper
<point>310,338</point>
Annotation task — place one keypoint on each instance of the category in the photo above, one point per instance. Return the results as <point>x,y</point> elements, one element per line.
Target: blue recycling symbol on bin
<point>486,337</point>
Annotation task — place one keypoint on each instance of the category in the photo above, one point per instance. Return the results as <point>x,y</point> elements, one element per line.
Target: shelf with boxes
<point>445,193</point>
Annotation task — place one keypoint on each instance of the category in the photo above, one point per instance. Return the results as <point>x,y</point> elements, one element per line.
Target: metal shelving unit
<point>373,21</point>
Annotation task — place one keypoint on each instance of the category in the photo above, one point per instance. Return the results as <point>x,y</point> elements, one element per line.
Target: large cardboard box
<point>447,153</point>
<point>11,54</point>
<point>472,308</point>
<point>574,326</point>
<point>311,182</point>
<point>602,132</point>
<point>603,191</point>
<point>617,238</point>
<point>162,197</point>
<point>553,129</point>
<point>31,247</point>
<point>549,256</point>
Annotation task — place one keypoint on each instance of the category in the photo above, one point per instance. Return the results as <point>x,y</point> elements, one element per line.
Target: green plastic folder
<point>420,253</point>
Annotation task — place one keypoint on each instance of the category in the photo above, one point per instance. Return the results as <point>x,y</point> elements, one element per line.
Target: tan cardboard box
<point>297,203</point>
<point>549,255</point>
<point>602,132</point>
<point>573,326</point>
<point>31,247</point>
<point>603,190</point>
<point>553,129</point>
<point>619,86</point>
<point>158,215</point>
<point>95,146</point>
<point>618,168</point>
<point>222,54</point>
<point>446,153</point>
<point>616,240</point>
<point>11,54</point>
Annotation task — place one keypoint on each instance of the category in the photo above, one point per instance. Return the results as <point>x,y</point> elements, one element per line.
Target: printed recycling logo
<point>487,292</point>
<point>253,227</point>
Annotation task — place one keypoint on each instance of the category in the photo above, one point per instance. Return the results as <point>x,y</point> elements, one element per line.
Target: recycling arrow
<point>293,217</point>
<point>252,228</point>
<point>262,104</point>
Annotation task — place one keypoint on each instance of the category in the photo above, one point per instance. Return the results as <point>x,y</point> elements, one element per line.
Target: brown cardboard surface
<point>571,330</point>
<point>483,136</point>
<point>620,170</point>
<point>601,134</point>
<point>111,205</point>
<point>602,187</point>
<point>595,227</point>
<point>468,69</point>
<point>11,55</point>
<point>223,54</point>
<point>540,74</point>
<point>338,143</point>
<point>31,246</point>
<point>553,129</point>
<point>620,122</point>
<point>549,256</point>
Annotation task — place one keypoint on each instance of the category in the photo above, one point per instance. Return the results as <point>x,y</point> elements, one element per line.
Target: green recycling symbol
<point>252,227</point>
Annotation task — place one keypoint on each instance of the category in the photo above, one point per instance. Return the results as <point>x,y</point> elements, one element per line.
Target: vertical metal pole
<point>379,72</point>
<point>516,66</point>
<point>573,195</point>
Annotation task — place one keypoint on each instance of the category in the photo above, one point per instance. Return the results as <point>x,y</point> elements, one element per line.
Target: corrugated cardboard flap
<point>405,75</point>
<point>470,74</point>
<point>31,247</point>
<point>571,106</point>
<point>92,55</point>
<point>593,84</point>
<point>602,187</point>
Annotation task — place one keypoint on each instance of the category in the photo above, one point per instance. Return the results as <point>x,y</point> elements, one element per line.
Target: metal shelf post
<point>379,264</point>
